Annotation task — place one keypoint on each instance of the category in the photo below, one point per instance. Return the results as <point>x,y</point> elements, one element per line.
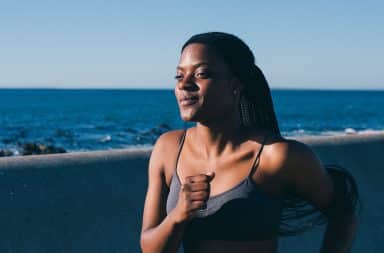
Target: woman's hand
<point>194,193</point>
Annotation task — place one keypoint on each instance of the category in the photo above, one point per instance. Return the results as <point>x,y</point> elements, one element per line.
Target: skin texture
<point>217,155</point>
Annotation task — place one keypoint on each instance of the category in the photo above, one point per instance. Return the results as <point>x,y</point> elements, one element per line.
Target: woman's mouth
<point>188,100</point>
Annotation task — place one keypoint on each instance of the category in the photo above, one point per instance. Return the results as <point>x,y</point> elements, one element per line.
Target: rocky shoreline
<point>19,145</point>
<point>30,148</point>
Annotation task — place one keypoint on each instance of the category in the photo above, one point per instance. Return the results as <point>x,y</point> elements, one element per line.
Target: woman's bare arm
<point>303,173</point>
<point>160,233</point>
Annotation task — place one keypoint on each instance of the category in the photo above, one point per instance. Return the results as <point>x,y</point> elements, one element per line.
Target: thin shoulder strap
<point>179,151</point>
<point>257,159</point>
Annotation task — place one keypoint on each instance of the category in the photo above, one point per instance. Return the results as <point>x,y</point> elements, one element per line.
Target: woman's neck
<point>216,139</point>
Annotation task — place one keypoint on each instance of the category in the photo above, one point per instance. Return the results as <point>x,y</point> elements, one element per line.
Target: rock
<point>37,148</point>
<point>5,152</point>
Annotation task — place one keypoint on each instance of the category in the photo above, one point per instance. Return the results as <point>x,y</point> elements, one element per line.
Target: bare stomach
<point>268,246</point>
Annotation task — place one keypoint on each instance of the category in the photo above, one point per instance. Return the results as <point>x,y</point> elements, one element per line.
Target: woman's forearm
<point>166,237</point>
<point>339,235</point>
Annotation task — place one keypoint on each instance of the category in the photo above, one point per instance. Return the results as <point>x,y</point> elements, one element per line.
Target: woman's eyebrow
<point>194,65</point>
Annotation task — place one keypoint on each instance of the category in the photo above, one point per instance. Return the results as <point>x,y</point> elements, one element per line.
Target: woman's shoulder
<point>297,169</point>
<point>284,146</point>
<point>282,154</point>
<point>170,138</point>
<point>293,164</point>
<point>166,149</point>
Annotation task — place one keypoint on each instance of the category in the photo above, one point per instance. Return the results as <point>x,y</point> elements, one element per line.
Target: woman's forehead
<point>199,54</point>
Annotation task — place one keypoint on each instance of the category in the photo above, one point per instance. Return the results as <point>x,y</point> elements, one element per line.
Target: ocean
<point>87,119</point>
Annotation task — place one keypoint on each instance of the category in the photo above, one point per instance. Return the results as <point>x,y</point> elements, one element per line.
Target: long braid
<point>261,103</point>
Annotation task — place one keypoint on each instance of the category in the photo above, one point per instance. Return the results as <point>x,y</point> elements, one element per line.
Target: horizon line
<point>159,88</point>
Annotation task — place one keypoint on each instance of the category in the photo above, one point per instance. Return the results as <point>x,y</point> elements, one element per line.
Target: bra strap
<point>179,151</point>
<point>257,159</point>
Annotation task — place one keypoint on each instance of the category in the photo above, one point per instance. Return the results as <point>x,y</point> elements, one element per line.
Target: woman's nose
<point>187,82</point>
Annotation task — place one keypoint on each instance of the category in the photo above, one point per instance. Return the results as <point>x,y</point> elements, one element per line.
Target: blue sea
<point>82,120</point>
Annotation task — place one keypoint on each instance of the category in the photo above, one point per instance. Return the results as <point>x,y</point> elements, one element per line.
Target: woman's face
<point>204,86</point>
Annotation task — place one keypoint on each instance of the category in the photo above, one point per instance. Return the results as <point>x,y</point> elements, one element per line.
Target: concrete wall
<point>92,201</point>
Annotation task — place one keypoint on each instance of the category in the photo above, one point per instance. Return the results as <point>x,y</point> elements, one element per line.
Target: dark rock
<point>5,152</point>
<point>37,148</point>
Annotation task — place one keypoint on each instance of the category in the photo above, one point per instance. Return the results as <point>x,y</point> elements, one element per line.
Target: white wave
<point>370,131</point>
<point>346,131</point>
<point>350,131</point>
<point>106,138</point>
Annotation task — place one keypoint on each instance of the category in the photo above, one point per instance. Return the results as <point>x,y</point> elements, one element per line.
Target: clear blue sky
<point>119,44</point>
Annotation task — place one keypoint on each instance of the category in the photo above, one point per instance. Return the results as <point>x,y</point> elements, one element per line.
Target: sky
<point>136,44</point>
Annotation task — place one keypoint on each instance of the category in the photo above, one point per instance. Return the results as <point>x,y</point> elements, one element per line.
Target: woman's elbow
<point>144,242</point>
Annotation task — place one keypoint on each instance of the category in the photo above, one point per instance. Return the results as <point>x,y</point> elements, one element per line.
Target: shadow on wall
<point>92,201</point>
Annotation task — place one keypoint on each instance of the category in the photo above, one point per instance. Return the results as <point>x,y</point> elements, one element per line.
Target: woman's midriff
<point>268,246</point>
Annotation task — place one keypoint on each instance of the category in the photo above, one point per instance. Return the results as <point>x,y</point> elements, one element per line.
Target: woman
<point>232,183</point>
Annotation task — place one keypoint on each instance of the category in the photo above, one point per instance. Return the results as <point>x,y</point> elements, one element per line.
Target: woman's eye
<point>202,75</point>
<point>178,77</point>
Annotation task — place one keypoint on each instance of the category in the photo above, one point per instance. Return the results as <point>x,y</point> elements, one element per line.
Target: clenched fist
<point>194,193</point>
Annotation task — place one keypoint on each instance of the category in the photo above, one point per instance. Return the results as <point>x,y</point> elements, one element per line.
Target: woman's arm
<point>303,174</point>
<point>340,235</point>
<point>160,233</point>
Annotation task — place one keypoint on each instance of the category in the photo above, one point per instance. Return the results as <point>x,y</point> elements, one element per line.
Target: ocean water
<point>80,120</point>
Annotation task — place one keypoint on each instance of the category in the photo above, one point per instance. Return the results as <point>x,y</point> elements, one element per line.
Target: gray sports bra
<point>242,213</point>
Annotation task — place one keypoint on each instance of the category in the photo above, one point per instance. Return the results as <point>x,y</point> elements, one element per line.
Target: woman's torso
<point>242,214</point>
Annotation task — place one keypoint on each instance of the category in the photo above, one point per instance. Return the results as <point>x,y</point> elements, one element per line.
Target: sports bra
<point>242,213</point>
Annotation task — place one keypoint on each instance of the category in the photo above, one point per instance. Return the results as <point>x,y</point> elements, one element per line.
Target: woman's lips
<point>188,101</point>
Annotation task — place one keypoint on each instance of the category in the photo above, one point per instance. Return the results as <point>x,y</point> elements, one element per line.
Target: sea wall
<point>92,201</point>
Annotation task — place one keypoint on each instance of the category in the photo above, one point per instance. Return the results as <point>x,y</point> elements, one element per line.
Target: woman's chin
<point>188,116</point>
<point>188,119</point>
